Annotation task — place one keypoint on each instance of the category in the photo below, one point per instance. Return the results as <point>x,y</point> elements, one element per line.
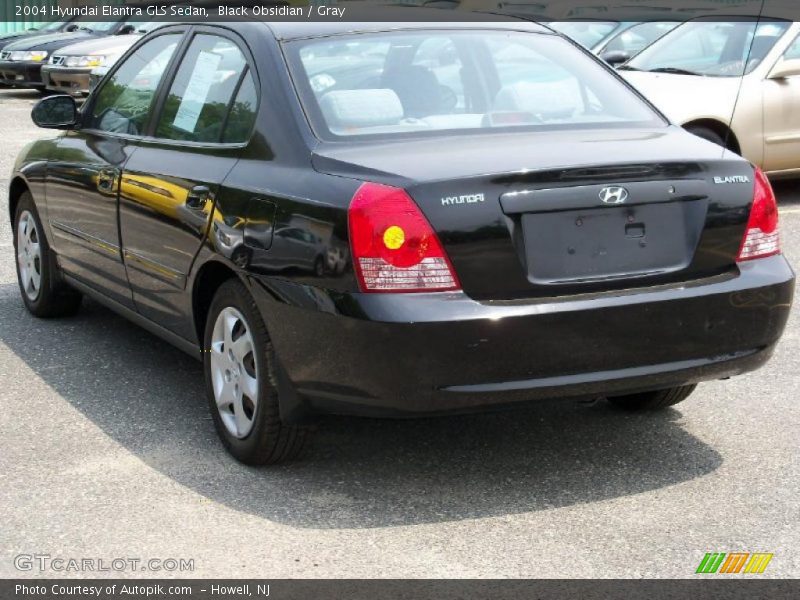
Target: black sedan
<point>39,29</point>
<point>21,61</point>
<point>391,220</point>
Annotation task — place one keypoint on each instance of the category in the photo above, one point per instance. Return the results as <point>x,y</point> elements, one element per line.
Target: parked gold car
<point>735,83</point>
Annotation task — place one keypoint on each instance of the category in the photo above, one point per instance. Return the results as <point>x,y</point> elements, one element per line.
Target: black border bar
<point>413,11</point>
<point>700,588</point>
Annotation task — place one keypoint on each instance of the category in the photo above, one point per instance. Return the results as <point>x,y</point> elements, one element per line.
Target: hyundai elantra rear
<point>399,220</point>
<point>523,225</point>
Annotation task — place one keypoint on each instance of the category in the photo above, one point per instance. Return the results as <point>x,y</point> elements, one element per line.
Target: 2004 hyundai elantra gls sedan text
<point>398,220</point>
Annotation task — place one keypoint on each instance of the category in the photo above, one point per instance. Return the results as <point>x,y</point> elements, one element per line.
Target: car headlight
<point>32,55</point>
<point>85,61</point>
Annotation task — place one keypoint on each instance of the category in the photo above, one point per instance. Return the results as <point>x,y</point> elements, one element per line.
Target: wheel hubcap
<point>234,374</point>
<point>29,256</point>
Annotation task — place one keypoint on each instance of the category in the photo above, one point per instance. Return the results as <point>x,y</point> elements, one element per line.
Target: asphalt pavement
<point>107,451</point>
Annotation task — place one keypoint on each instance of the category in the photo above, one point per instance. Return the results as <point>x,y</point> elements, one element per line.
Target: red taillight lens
<point>761,238</point>
<point>394,247</point>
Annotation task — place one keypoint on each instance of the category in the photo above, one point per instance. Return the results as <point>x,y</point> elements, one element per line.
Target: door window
<point>124,101</point>
<point>199,99</point>
<point>793,52</point>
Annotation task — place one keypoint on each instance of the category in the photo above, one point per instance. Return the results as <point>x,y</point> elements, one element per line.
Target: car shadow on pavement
<point>19,94</point>
<point>358,473</point>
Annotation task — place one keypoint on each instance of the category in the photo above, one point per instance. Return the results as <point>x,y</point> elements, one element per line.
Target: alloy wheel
<point>234,374</point>
<point>29,255</point>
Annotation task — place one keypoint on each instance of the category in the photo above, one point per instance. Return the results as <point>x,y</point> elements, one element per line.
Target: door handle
<point>106,180</point>
<point>197,197</point>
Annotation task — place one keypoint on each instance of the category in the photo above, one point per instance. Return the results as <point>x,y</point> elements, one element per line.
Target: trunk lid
<point>547,214</point>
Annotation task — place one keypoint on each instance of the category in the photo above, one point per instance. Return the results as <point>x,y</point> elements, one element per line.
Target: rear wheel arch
<point>209,278</point>
<point>719,128</point>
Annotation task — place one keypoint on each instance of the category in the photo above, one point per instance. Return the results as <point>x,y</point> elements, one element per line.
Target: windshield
<point>587,33</point>
<point>147,26</point>
<point>52,26</point>
<point>391,83</point>
<point>711,48</point>
<point>635,39</point>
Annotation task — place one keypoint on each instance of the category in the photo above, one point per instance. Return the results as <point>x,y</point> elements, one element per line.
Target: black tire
<point>319,267</point>
<point>653,400</point>
<point>55,298</point>
<point>707,134</point>
<point>270,441</point>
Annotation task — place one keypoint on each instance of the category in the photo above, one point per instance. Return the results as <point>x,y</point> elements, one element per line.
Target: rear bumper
<point>66,80</point>
<point>23,74</point>
<point>406,355</point>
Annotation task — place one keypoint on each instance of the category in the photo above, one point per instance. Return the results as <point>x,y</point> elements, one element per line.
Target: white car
<point>735,83</point>
<point>69,69</point>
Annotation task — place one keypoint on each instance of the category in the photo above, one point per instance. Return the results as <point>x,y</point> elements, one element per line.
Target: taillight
<point>761,238</point>
<point>394,247</point>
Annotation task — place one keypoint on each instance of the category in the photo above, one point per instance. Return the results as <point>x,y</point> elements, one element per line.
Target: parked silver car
<point>68,70</point>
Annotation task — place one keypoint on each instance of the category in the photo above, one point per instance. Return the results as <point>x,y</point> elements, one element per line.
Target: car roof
<point>296,30</point>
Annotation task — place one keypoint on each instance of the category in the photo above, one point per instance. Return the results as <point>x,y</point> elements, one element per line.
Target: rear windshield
<point>428,81</point>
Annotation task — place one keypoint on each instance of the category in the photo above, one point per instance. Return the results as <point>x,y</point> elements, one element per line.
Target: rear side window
<point>123,103</point>
<point>427,81</point>
<point>243,112</point>
<point>209,77</point>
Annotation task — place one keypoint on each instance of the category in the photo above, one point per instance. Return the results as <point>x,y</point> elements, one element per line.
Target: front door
<point>83,178</point>
<point>168,186</point>
<point>84,174</point>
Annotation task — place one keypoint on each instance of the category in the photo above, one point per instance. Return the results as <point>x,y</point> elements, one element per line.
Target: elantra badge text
<point>732,179</point>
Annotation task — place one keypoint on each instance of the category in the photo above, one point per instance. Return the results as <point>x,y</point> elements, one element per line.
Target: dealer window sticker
<point>203,76</point>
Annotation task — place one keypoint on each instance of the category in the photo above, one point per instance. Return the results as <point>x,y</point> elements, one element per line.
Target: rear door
<point>84,175</point>
<point>169,184</point>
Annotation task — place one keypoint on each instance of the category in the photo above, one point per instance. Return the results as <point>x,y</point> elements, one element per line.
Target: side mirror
<point>55,112</point>
<point>126,30</point>
<point>785,68</point>
<point>615,57</point>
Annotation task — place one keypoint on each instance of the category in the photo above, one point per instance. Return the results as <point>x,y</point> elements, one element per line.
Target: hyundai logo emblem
<point>613,194</point>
